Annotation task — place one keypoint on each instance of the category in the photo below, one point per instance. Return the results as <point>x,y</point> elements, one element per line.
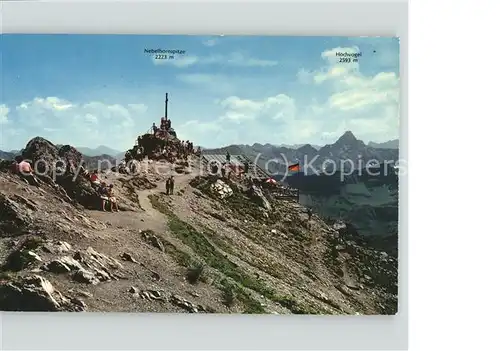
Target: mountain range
<point>391,144</point>
<point>89,153</point>
<point>275,159</point>
<point>100,150</point>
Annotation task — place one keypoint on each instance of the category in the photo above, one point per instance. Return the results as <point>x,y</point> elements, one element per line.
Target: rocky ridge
<point>215,246</point>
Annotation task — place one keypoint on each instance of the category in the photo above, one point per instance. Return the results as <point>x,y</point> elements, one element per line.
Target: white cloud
<point>80,124</point>
<point>346,100</point>
<point>4,112</point>
<point>50,103</point>
<point>235,103</point>
<point>334,68</point>
<point>91,118</point>
<point>366,104</point>
<point>279,107</point>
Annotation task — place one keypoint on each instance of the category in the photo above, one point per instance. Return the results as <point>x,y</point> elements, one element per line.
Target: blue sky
<point>91,90</point>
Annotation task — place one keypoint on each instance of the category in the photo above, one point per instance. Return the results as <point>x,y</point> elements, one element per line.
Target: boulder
<point>64,265</point>
<point>92,267</point>
<point>42,154</point>
<point>255,193</point>
<point>153,240</point>
<point>128,257</point>
<point>86,277</point>
<point>61,165</point>
<point>221,189</point>
<point>24,256</point>
<point>185,304</point>
<point>58,267</point>
<point>35,293</point>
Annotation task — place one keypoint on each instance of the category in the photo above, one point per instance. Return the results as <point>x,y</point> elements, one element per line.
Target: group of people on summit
<point>165,125</point>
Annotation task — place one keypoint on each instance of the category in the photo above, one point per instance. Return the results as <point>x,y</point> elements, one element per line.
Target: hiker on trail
<point>25,171</point>
<point>223,170</point>
<point>169,124</point>
<point>172,183</point>
<point>309,214</point>
<point>167,186</point>
<point>247,167</point>
<point>228,157</point>
<point>155,129</point>
<point>112,198</point>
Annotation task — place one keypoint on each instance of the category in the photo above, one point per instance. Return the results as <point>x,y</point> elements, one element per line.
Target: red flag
<point>294,167</point>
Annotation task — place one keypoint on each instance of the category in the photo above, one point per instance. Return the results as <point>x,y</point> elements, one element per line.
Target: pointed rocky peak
<point>348,138</point>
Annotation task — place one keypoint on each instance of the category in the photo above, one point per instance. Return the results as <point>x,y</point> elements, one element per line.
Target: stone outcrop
<point>85,266</point>
<point>255,193</point>
<point>185,304</point>
<point>35,293</point>
<point>14,216</point>
<point>153,240</point>
<point>221,189</point>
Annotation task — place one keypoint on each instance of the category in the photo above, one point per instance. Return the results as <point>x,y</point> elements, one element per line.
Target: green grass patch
<point>203,248</point>
<point>181,257</point>
<point>195,273</point>
<point>244,206</point>
<point>272,268</point>
<point>232,292</point>
<point>294,306</point>
<point>220,243</point>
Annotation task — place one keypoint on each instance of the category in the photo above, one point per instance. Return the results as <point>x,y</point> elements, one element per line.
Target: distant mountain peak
<point>347,138</point>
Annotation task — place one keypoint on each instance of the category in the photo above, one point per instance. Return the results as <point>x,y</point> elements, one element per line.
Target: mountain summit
<point>348,138</point>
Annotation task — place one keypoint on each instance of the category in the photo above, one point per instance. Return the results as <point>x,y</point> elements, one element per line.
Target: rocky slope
<point>368,201</point>
<point>6,155</point>
<point>215,246</point>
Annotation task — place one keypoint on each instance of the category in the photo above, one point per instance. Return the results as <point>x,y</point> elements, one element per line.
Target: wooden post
<point>166,105</point>
<point>298,187</point>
